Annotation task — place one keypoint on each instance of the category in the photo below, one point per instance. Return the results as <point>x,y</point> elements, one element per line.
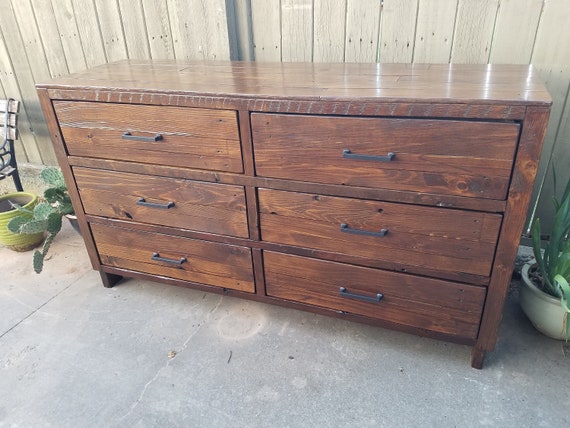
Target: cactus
<point>53,177</point>
<point>47,215</point>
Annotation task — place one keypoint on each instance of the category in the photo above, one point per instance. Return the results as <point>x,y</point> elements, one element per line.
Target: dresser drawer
<point>449,157</point>
<point>439,239</point>
<point>194,205</point>
<point>185,137</point>
<point>203,262</point>
<point>431,304</point>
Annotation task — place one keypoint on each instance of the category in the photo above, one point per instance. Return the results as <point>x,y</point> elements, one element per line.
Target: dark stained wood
<point>415,198</point>
<point>109,280</point>
<point>464,158</point>
<point>206,262</point>
<point>247,145</point>
<point>417,236</point>
<point>510,85</point>
<point>258,272</point>
<point>307,252</point>
<point>299,106</point>
<point>206,207</point>
<point>526,165</point>
<point>196,138</point>
<point>61,154</point>
<point>428,303</point>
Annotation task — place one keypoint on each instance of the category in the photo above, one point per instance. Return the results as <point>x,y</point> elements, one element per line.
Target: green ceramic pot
<point>15,241</point>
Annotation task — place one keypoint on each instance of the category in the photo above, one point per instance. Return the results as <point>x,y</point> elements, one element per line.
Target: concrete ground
<point>143,354</point>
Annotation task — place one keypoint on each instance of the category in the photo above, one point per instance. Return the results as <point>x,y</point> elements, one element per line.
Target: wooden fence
<point>40,39</point>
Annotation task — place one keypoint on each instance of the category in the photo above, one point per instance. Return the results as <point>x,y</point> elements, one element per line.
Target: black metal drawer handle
<point>156,257</point>
<point>346,153</point>
<point>344,228</point>
<point>144,203</point>
<point>345,293</point>
<point>128,136</point>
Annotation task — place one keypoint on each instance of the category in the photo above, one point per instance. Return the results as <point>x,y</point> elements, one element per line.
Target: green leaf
<point>54,195</point>
<point>20,208</point>
<point>564,287</point>
<point>38,261</point>
<point>53,176</point>
<point>565,291</point>
<point>540,256</point>
<point>42,211</point>
<point>66,208</point>
<point>566,194</point>
<point>34,226</point>
<point>53,225</point>
<point>15,224</point>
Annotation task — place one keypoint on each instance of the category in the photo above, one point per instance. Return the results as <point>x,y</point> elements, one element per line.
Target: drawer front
<point>209,263</point>
<point>189,137</point>
<point>440,239</point>
<point>436,305</point>
<point>194,205</point>
<point>449,157</point>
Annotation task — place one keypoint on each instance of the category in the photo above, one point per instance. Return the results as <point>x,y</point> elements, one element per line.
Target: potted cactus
<point>9,210</point>
<point>545,292</point>
<point>46,216</point>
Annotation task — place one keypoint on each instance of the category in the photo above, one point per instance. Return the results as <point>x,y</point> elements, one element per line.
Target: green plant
<point>554,262</point>
<point>47,215</point>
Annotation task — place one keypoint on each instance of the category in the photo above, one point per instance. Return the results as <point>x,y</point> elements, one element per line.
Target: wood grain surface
<point>432,304</point>
<point>440,83</point>
<point>197,138</point>
<point>205,207</point>
<point>210,263</point>
<point>435,238</point>
<point>464,158</point>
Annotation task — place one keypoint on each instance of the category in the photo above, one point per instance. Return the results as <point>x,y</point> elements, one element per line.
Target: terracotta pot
<point>16,241</point>
<point>544,311</point>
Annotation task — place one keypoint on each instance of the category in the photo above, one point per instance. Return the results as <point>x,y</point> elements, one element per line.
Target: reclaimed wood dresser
<point>388,194</point>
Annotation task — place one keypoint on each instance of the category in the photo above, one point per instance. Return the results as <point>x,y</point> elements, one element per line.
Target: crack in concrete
<point>161,369</point>
<point>34,311</point>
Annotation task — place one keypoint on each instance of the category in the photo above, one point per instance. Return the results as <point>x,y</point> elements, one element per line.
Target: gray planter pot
<point>544,311</point>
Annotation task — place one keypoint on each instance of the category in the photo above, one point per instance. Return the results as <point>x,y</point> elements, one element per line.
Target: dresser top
<point>435,83</point>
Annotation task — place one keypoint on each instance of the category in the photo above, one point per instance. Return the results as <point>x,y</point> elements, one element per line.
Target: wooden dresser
<point>387,194</point>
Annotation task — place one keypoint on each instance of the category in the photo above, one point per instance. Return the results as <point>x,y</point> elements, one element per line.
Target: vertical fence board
<point>515,31</point>
<point>158,28</point>
<point>89,33</point>
<point>266,28</point>
<point>134,28</point>
<point>474,31</point>
<point>18,82</point>
<point>111,29</point>
<point>69,35</point>
<point>362,30</point>
<point>551,57</point>
<point>204,38</point>
<point>51,41</point>
<point>297,30</point>
<point>329,30</point>
<point>32,39</point>
<point>35,135</point>
<point>10,89</point>
<point>397,30</point>
<point>434,31</point>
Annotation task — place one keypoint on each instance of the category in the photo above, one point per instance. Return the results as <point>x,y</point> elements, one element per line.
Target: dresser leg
<point>477,357</point>
<point>109,279</point>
